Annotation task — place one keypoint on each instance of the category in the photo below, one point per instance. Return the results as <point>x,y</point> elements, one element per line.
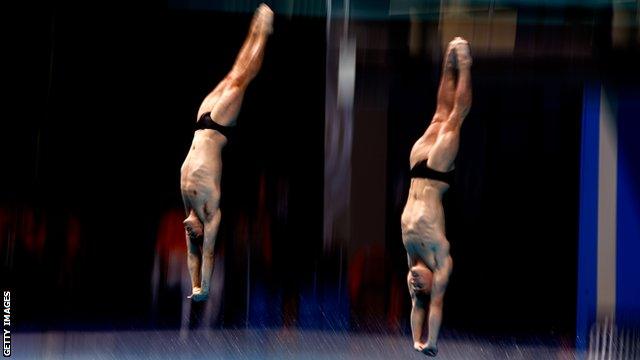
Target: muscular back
<point>201,171</point>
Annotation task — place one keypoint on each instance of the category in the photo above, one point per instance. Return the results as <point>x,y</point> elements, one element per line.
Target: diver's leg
<point>463,93</point>
<point>445,148</point>
<point>225,100</point>
<point>447,88</point>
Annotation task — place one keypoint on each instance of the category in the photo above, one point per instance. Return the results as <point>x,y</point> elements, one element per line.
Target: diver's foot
<point>450,60</point>
<point>418,346</point>
<point>263,20</point>
<point>462,51</point>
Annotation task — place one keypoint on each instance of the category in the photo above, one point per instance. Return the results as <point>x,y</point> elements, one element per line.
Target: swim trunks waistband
<point>421,170</point>
<point>206,122</point>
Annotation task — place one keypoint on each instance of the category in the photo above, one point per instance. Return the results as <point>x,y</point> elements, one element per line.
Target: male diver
<point>201,171</point>
<point>423,230</point>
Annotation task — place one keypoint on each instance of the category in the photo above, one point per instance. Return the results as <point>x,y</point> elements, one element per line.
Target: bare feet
<point>262,20</point>
<point>462,52</point>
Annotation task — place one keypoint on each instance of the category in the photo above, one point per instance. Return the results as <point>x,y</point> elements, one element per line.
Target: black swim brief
<point>206,122</point>
<point>421,170</point>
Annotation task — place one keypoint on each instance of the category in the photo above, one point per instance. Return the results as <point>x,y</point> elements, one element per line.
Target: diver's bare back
<point>423,216</point>
<point>201,171</point>
<point>422,223</point>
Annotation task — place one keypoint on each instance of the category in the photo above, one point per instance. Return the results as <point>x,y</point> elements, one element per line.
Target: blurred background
<point>543,218</point>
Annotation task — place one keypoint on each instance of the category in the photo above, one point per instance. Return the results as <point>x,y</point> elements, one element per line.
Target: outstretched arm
<point>440,281</point>
<point>419,304</point>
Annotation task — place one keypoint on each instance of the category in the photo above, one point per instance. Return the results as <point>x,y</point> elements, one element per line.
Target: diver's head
<point>420,280</point>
